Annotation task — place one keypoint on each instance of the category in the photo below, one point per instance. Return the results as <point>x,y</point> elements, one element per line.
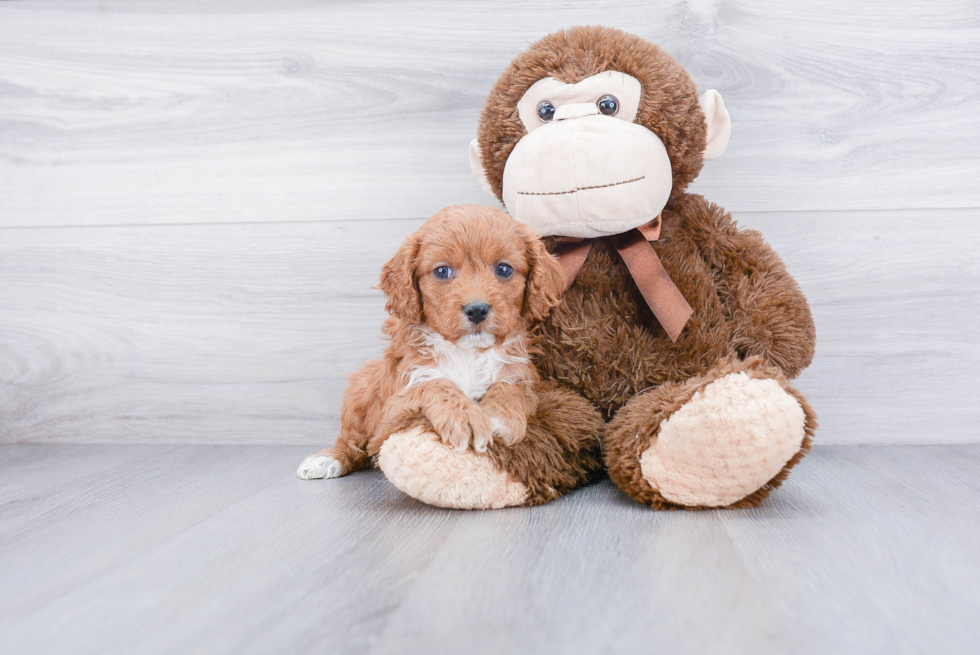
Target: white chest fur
<point>473,363</point>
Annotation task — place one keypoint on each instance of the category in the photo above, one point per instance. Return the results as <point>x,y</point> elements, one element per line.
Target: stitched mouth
<point>578,188</point>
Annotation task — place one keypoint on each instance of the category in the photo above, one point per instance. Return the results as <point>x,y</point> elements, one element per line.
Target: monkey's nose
<point>476,311</point>
<point>576,110</point>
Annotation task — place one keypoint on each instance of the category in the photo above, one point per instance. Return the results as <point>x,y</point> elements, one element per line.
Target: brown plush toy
<point>679,328</point>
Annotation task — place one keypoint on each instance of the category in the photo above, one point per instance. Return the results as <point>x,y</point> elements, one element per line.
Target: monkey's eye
<point>504,271</point>
<point>608,105</point>
<point>546,111</point>
<point>443,272</point>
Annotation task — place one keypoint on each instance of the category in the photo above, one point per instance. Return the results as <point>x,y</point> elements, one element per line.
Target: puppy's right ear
<point>399,285</point>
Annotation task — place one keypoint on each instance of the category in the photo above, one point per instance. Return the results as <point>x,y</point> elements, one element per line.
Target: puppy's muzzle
<point>476,312</point>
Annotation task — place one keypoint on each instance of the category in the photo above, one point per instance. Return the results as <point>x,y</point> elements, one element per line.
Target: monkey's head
<point>592,130</point>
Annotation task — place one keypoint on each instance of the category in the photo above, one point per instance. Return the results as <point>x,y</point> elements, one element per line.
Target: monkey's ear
<point>399,285</point>
<point>476,164</point>
<point>718,121</point>
<point>545,278</point>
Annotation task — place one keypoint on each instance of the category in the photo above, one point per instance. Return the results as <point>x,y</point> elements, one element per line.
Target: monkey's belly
<point>604,341</point>
<point>598,357</point>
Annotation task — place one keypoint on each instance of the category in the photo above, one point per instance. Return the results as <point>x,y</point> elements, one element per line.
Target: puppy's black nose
<point>476,311</point>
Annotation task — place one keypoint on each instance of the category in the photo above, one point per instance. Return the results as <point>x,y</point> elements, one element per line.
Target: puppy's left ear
<point>545,279</point>
<point>399,285</point>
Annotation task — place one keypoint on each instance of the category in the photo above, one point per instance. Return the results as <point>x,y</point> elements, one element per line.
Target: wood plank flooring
<point>221,549</point>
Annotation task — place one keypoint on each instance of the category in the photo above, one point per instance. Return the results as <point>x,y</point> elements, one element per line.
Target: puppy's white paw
<point>505,431</point>
<point>500,429</point>
<point>315,467</point>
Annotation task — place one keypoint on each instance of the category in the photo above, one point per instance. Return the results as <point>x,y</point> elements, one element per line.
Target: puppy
<point>462,294</point>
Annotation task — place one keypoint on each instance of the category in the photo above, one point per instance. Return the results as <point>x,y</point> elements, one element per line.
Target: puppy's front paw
<point>458,427</point>
<point>319,466</point>
<point>481,428</point>
<point>508,431</point>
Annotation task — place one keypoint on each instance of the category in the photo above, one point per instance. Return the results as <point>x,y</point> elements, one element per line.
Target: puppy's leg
<point>456,419</point>
<point>360,409</point>
<point>321,464</point>
<point>345,456</point>
<point>508,406</point>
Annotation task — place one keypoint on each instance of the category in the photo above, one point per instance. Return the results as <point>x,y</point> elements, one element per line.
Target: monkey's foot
<point>729,440</point>
<point>725,438</point>
<point>421,465</point>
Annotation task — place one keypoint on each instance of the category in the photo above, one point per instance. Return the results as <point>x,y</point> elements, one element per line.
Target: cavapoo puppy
<point>462,293</point>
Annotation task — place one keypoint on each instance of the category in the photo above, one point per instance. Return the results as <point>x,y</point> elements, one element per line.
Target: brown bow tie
<point>662,295</point>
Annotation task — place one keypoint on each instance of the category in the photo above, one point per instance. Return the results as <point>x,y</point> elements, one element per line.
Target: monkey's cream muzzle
<point>586,175</point>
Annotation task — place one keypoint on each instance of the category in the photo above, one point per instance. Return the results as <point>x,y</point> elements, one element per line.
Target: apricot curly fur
<point>552,438</point>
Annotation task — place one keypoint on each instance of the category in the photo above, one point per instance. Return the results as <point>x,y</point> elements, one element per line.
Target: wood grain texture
<point>210,549</point>
<point>246,333</point>
<point>154,112</point>
<point>229,178</point>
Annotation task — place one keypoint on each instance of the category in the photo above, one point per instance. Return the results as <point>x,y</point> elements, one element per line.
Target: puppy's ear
<point>399,285</point>
<point>545,279</point>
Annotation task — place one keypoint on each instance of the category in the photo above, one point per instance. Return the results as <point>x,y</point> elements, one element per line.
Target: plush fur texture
<point>728,440</point>
<point>637,426</point>
<point>425,468</point>
<point>604,340</point>
<point>562,449</point>
<point>447,384</point>
<point>750,317</point>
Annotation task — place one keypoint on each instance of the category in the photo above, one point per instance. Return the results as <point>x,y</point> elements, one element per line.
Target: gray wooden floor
<point>220,549</point>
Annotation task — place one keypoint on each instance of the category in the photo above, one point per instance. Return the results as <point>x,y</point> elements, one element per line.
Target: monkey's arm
<point>770,314</point>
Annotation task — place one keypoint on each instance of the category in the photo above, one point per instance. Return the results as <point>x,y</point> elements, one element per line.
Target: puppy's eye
<point>504,271</point>
<point>546,111</point>
<point>608,105</point>
<point>443,272</point>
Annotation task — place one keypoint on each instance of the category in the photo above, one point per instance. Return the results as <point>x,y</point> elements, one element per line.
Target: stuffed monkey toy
<point>681,330</point>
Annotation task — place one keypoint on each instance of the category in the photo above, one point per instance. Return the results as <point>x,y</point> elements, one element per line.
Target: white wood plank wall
<point>195,198</point>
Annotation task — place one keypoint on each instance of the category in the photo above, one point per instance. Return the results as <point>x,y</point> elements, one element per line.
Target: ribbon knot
<point>661,294</point>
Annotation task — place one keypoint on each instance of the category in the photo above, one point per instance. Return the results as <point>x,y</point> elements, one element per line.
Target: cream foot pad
<point>437,474</point>
<point>726,442</point>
